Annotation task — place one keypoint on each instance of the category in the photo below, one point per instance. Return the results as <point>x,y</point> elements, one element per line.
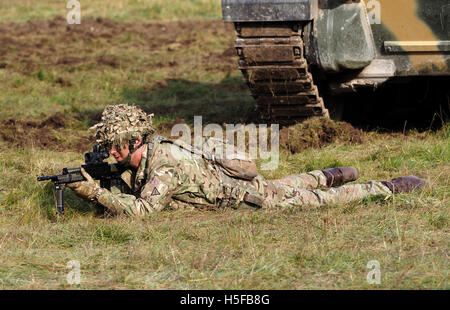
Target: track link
<point>271,58</point>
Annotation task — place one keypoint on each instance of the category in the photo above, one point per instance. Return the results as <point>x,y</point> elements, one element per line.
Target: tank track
<point>271,58</point>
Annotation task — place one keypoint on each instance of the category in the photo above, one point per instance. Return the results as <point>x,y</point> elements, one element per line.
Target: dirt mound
<point>318,132</point>
<point>54,121</point>
<point>20,133</point>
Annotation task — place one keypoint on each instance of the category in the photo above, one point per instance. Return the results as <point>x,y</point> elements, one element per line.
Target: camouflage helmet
<point>121,124</point>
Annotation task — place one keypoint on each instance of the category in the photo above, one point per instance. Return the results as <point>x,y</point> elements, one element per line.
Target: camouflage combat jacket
<point>171,177</point>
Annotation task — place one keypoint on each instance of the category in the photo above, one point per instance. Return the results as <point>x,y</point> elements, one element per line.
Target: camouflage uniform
<point>170,176</point>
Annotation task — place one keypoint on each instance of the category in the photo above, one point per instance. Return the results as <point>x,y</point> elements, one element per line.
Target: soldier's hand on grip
<point>85,189</point>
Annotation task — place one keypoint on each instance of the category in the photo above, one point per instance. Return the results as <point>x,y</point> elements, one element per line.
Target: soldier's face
<point>120,153</point>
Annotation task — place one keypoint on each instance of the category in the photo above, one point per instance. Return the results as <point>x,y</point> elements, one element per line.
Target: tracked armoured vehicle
<point>296,53</point>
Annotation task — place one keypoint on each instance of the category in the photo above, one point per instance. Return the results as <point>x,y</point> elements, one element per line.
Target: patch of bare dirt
<point>54,121</point>
<point>25,47</point>
<point>108,61</point>
<point>318,132</point>
<point>224,61</point>
<point>63,82</point>
<point>43,134</point>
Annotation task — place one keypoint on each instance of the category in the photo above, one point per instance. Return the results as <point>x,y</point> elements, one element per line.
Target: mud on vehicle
<point>296,53</point>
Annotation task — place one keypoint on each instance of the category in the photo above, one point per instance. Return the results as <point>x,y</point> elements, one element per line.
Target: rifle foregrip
<point>60,199</point>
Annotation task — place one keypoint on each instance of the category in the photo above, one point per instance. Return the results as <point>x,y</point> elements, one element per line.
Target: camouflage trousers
<point>310,189</point>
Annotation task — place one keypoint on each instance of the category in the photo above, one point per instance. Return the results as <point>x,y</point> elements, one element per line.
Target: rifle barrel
<point>49,177</point>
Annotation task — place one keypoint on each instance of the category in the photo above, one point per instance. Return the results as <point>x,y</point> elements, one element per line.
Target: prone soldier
<point>161,175</point>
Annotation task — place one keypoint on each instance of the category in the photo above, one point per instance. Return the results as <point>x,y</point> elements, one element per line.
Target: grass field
<point>176,61</point>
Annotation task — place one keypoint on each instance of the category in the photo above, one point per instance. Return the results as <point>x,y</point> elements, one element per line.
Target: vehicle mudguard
<point>343,36</point>
<point>268,10</point>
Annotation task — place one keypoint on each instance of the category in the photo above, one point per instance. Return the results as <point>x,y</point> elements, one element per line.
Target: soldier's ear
<point>137,142</point>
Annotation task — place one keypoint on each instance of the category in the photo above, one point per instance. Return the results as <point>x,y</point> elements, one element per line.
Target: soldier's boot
<point>340,175</point>
<point>405,184</point>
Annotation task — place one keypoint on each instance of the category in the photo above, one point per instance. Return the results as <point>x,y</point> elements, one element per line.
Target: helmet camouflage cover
<point>121,124</point>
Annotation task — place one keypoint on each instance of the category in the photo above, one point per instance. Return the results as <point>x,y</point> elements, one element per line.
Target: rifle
<point>94,165</point>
